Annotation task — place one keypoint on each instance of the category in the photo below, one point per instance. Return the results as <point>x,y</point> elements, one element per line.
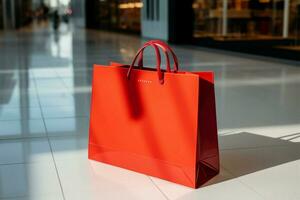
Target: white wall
<point>156,29</point>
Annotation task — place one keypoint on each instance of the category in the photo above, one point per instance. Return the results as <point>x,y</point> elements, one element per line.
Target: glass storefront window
<point>244,19</point>
<point>130,15</point>
<point>208,18</point>
<point>272,26</point>
<point>117,15</point>
<point>255,19</point>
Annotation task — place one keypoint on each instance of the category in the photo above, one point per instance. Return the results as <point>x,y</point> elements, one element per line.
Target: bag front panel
<point>142,116</point>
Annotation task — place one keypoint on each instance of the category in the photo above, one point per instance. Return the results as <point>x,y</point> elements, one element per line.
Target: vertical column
<point>286,11</point>
<point>1,14</point>
<point>9,21</point>
<point>154,19</point>
<point>79,12</point>
<point>18,15</point>
<point>14,13</point>
<point>225,17</point>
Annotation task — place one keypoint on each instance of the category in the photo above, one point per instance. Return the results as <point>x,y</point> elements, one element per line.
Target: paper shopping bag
<point>156,122</point>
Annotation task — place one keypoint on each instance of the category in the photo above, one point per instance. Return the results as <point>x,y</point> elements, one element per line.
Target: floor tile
<point>174,191</point>
<point>69,147</point>
<point>241,162</point>
<point>276,183</point>
<point>62,99</point>
<point>49,83</point>
<point>22,129</point>
<point>274,172</point>
<point>244,140</point>
<point>64,111</point>
<point>57,92</point>
<point>100,180</point>
<point>222,187</point>
<point>82,81</point>
<point>35,179</point>
<point>67,126</point>
<point>81,89</point>
<point>25,151</point>
<point>223,191</point>
<point>288,132</point>
<point>44,73</point>
<point>37,197</point>
<point>22,100</point>
<point>20,113</point>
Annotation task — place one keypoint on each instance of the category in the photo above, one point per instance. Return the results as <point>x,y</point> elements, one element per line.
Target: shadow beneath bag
<point>245,153</point>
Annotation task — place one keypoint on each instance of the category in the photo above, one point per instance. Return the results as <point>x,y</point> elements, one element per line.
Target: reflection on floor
<point>45,80</point>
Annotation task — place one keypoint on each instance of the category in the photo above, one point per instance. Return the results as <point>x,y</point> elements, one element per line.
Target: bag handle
<point>158,62</point>
<point>140,61</point>
<point>166,48</point>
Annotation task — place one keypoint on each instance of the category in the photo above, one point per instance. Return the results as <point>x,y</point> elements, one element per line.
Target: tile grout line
<point>36,119</point>
<point>55,165</point>
<point>234,177</point>
<point>252,189</point>
<point>35,137</point>
<point>62,80</point>
<point>258,147</point>
<point>49,143</point>
<point>21,138</point>
<point>157,187</point>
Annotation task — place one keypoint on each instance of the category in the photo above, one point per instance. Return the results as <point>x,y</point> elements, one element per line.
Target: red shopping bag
<point>156,122</point>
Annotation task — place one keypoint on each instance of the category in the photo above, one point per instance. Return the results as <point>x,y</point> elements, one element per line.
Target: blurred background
<point>264,27</point>
<point>47,52</point>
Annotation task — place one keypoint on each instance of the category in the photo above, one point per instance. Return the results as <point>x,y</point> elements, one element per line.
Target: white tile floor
<point>44,108</point>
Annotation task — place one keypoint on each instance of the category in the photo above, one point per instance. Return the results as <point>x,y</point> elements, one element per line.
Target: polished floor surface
<point>45,88</point>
